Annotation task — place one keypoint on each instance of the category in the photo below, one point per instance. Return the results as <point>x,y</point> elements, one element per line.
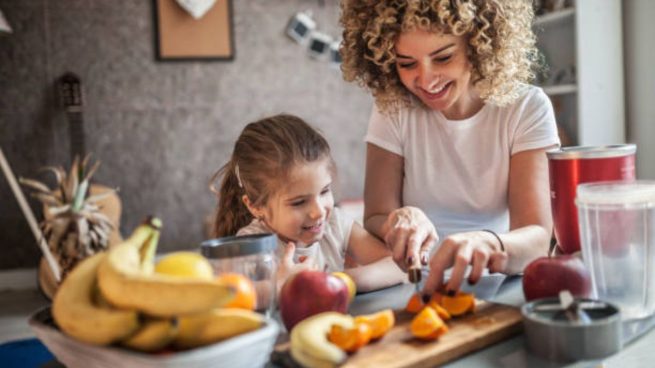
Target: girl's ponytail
<point>232,213</point>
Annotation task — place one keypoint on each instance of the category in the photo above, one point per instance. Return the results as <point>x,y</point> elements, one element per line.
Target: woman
<point>456,140</point>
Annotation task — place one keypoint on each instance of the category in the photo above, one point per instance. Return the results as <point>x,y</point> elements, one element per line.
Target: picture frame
<point>181,37</point>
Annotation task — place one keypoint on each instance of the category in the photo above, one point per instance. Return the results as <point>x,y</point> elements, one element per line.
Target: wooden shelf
<point>554,17</point>
<point>590,100</point>
<point>560,89</point>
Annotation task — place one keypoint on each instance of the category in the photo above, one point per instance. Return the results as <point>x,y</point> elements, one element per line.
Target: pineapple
<point>73,226</point>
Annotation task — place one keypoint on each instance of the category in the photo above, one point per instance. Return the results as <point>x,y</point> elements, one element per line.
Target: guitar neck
<point>70,91</point>
<point>76,134</point>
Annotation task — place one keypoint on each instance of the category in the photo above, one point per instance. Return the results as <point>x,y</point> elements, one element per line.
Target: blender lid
<point>638,192</point>
<point>573,152</point>
<point>235,246</point>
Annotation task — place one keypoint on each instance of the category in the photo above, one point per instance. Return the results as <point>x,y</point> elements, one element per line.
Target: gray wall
<point>639,29</point>
<point>160,128</point>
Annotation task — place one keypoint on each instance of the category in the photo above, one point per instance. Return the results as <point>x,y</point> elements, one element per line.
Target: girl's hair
<point>501,43</point>
<point>261,162</point>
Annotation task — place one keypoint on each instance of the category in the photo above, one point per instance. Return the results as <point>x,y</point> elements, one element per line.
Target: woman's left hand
<point>480,249</point>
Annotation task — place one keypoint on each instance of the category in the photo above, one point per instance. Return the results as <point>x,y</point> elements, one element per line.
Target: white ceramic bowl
<point>248,350</point>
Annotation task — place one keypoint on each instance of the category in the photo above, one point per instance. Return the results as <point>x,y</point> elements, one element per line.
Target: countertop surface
<point>639,352</point>
<point>17,306</point>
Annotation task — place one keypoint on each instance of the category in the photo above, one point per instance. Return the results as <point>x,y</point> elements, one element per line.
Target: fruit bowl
<point>247,350</point>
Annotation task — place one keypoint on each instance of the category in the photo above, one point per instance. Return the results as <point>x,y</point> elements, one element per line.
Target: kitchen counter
<point>16,306</point>
<point>512,353</point>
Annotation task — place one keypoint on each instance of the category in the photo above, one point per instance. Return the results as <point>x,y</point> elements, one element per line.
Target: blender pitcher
<point>617,220</point>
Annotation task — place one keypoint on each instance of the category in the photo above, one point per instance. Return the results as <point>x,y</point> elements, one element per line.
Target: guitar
<point>72,99</point>
<point>71,96</point>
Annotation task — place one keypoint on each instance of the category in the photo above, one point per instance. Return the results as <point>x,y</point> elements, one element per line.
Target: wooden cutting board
<point>490,323</point>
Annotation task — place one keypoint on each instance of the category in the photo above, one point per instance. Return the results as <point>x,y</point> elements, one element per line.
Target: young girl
<point>279,180</point>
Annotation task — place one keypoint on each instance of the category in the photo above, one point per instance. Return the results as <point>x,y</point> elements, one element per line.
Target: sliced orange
<point>436,334</point>
<point>342,337</point>
<point>364,334</point>
<point>441,311</point>
<point>414,304</point>
<point>350,340</point>
<point>436,297</point>
<point>427,325</point>
<point>459,304</point>
<point>380,322</point>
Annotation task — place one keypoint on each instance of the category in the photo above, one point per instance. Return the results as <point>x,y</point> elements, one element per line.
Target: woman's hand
<point>480,249</point>
<point>410,235</point>
<point>288,267</point>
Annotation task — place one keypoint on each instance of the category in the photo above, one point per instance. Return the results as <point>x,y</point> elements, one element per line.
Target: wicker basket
<point>248,350</point>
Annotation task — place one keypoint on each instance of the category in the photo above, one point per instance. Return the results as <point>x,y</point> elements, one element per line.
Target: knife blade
<point>485,289</point>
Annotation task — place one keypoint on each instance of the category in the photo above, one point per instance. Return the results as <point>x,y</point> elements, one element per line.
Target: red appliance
<point>570,166</point>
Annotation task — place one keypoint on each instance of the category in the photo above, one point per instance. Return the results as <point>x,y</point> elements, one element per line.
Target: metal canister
<point>570,166</point>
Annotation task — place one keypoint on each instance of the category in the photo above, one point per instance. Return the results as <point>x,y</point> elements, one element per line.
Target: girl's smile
<point>299,211</point>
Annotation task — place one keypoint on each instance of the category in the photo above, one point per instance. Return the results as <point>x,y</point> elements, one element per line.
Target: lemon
<point>350,283</point>
<point>185,264</point>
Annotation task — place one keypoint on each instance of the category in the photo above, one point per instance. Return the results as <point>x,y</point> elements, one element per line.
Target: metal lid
<point>236,246</point>
<point>573,152</point>
<point>637,192</point>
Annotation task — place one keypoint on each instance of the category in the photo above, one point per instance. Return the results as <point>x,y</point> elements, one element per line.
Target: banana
<point>154,335</point>
<point>217,324</point>
<point>127,281</point>
<point>78,316</point>
<point>309,344</point>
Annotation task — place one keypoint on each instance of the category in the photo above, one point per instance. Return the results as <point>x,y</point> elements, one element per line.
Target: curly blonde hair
<point>501,43</point>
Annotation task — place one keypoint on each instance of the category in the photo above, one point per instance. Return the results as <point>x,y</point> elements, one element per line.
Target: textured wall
<point>160,128</point>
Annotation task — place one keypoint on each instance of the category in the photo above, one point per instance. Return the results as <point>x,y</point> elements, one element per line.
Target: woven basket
<point>248,350</point>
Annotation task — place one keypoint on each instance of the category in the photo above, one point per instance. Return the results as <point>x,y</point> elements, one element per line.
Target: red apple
<point>547,276</point>
<point>310,292</point>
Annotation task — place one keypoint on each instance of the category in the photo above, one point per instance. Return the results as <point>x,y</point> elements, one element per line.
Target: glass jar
<point>252,256</point>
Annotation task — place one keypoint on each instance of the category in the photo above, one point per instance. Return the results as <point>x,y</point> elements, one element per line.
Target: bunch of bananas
<point>116,297</point>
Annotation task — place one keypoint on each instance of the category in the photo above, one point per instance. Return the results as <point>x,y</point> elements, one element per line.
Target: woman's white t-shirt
<point>329,253</point>
<point>457,171</point>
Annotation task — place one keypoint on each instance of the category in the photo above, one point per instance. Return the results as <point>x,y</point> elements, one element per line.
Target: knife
<point>485,289</point>
<point>414,274</point>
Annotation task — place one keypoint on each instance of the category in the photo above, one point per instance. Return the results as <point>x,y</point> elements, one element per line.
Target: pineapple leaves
<point>48,199</point>
<point>78,199</point>
<point>91,171</point>
<point>100,196</point>
<point>73,181</point>
<point>35,185</point>
<point>74,225</point>
<point>56,211</point>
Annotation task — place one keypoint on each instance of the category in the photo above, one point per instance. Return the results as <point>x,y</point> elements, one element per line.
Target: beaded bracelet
<point>502,246</point>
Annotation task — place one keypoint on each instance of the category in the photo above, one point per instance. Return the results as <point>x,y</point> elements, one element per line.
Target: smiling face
<point>435,68</point>
<point>299,210</point>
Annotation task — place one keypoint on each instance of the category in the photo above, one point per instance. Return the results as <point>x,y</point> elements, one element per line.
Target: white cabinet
<point>583,48</point>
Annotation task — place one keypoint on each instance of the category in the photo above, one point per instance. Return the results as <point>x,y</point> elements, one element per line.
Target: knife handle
<point>414,272</point>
